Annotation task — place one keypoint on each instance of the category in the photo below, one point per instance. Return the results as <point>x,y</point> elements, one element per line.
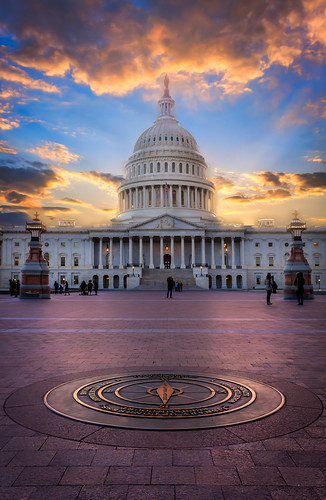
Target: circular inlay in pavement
<point>165,400</point>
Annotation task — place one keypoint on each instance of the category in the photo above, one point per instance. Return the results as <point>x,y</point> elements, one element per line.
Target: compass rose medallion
<point>164,400</point>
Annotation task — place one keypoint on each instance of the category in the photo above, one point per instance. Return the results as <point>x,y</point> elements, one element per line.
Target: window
<point>158,167</point>
<point>198,171</point>
<point>166,166</point>
<point>75,279</point>
<point>286,244</point>
<point>257,261</point>
<point>151,168</point>
<point>270,243</point>
<point>166,138</point>
<point>62,279</point>
<point>16,243</point>
<point>76,261</point>
<point>316,244</point>
<point>317,280</point>
<point>16,261</point>
<point>187,168</point>
<point>193,170</point>
<point>316,259</point>
<point>160,138</point>
<point>154,139</point>
<point>180,168</point>
<point>76,244</point>
<point>171,138</point>
<point>62,261</point>
<point>271,261</point>
<point>258,279</point>
<point>63,243</point>
<point>47,258</point>
<point>144,168</point>
<point>173,167</point>
<point>257,244</point>
<point>138,169</point>
<point>133,171</point>
<point>177,138</point>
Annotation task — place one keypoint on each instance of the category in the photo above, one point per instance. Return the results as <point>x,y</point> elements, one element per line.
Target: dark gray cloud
<point>312,180</point>
<point>106,177</point>
<point>13,218</point>
<point>26,178</point>
<point>14,197</point>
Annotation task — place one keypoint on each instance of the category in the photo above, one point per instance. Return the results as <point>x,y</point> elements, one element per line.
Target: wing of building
<point>166,226</point>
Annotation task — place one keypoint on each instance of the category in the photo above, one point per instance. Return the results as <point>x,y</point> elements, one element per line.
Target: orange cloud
<point>55,152</point>
<point>5,149</point>
<point>16,75</point>
<point>218,48</point>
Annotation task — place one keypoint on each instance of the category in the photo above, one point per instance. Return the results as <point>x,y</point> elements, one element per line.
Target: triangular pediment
<point>166,222</point>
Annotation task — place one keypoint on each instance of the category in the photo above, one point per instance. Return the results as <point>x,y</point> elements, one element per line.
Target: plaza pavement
<point>129,331</point>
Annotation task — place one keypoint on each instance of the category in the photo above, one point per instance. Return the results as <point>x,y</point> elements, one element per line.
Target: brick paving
<point>138,330</point>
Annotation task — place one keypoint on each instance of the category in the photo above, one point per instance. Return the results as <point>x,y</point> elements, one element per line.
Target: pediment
<point>166,222</point>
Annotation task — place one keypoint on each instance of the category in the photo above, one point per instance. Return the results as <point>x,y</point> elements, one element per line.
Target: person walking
<point>56,286</point>
<point>67,288</point>
<point>299,287</point>
<point>83,287</point>
<point>95,286</point>
<point>90,287</point>
<point>268,288</point>
<point>170,283</point>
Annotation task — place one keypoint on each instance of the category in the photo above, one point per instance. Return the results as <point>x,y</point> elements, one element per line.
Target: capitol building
<point>166,225</point>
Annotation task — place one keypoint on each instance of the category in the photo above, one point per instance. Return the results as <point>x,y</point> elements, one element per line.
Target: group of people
<point>271,287</point>
<point>85,288</point>
<point>14,287</point>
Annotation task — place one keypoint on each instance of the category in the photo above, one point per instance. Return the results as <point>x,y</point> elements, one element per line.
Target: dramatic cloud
<point>315,181</point>
<point>115,47</point>
<point>16,198</point>
<point>5,149</point>
<point>73,201</point>
<point>10,73</point>
<point>222,183</point>
<point>27,178</point>
<point>13,218</point>
<point>55,152</point>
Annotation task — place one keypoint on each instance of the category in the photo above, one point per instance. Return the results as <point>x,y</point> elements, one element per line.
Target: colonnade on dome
<point>163,195</point>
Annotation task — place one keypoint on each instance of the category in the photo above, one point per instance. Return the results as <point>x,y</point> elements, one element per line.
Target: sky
<point>80,80</point>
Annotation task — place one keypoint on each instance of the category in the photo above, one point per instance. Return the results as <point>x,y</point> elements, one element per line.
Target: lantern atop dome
<point>296,227</point>
<point>166,103</point>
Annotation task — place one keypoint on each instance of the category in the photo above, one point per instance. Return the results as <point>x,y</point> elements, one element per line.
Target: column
<point>182,252</point>
<point>100,257</point>
<point>179,203</point>
<point>233,254</point>
<point>111,254</point>
<point>130,259</point>
<point>91,257</point>
<point>136,201</point>
<point>3,253</point>
<point>121,253</point>
<point>193,255</point>
<point>242,253</point>
<point>188,196</point>
<point>151,254</point>
<point>162,199</point>
<point>203,251</point>
<point>172,253</point>
<point>196,197</point>
<point>222,254</point>
<point>153,204</point>
<point>141,262</point>
<point>213,254</point>
<point>130,199</point>
<point>171,197</point>
<point>161,253</point>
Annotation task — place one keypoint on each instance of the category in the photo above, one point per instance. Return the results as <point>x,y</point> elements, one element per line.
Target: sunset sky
<point>80,80</point>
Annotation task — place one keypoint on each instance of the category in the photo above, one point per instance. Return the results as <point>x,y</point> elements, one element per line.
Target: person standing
<point>17,288</point>
<point>56,286</point>
<point>90,287</point>
<point>95,286</point>
<point>268,288</point>
<point>67,288</point>
<point>274,286</point>
<point>170,283</point>
<point>299,287</point>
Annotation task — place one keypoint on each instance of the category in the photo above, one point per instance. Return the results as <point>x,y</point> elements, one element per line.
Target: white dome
<point>166,131</point>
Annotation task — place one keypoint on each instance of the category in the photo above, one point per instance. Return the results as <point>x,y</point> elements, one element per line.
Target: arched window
<point>180,168</point>
<point>166,166</point>
<point>173,167</point>
<point>158,169</point>
<point>144,168</point>
<point>151,168</point>
<point>187,168</point>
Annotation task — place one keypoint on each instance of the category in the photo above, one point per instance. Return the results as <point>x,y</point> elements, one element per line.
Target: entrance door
<point>167,261</point>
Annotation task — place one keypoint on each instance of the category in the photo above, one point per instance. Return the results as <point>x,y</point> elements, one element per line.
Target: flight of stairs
<point>155,279</point>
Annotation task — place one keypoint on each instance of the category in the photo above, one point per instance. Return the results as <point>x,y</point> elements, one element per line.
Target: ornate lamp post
<point>297,261</point>
<point>35,272</point>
